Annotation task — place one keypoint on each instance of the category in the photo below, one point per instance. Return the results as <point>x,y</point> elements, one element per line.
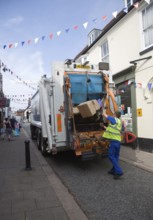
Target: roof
<point>111,24</point>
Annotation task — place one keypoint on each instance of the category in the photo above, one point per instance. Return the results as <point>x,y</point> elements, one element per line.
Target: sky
<point>34,34</point>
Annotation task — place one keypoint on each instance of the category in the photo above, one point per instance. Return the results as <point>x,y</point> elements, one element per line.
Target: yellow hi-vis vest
<point>113,132</point>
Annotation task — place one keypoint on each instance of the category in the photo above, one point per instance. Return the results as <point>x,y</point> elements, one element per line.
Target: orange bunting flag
<point>51,36</point>
<point>11,45</point>
<point>139,85</point>
<point>104,18</point>
<point>29,41</point>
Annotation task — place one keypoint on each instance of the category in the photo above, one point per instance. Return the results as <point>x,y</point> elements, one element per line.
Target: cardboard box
<point>76,110</point>
<point>96,104</point>
<point>88,109</point>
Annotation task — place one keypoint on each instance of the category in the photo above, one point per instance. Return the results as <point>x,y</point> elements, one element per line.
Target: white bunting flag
<point>58,33</point>
<point>85,25</point>
<point>16,44</point>
<point>143,85</point>
<point>36,40</point>
<point>129,82</point>
<point>115,14</point>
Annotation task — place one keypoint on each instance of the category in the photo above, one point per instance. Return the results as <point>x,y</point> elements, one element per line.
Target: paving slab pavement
<point>136,157</point>
<point>36,194</point>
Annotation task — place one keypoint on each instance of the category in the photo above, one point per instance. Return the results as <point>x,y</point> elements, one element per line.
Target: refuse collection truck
<point>66,111</point>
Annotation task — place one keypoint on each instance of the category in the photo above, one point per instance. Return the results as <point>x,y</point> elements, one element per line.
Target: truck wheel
<point>44,146</point>
<point>38,140</point>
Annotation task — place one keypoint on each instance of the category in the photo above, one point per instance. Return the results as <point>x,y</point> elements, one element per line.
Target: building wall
<point>125,46</point>
<point>144,75</point>
<point>124,42</point>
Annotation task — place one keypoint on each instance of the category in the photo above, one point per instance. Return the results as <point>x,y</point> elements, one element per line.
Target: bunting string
<point>50,36</point>
<point>136,85</point>
<point>4,68</point>
<point>12,96</point>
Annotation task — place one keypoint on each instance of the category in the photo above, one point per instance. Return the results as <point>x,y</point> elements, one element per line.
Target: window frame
<point>105,58</point>
<point>128,5</point>
<point>142,33</point>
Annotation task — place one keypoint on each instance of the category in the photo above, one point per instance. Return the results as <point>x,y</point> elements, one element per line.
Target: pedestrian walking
<point>113,133</point>
<point>8,128</point>
<point>13,122</point>
<point>17,129</point>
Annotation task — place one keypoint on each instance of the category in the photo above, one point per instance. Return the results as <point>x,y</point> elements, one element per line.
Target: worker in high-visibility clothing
<point>113,133</point>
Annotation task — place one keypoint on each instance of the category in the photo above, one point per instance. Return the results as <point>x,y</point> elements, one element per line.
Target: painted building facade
<point>126,43</point>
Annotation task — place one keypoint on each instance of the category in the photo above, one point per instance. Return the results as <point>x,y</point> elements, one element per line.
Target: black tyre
<point>44,145</point>
<point>38,139</point>
<point>32,131</point>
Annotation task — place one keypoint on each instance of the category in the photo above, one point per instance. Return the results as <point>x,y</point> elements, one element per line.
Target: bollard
<point>27,155</point>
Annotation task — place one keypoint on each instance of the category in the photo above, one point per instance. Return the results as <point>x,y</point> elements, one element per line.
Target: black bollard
<point>27,155</point>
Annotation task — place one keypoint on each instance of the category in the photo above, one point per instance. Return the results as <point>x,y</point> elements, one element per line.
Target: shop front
<point>126,97</point>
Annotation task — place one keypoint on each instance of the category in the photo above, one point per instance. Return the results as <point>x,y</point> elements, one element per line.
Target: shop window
<point>123,97</point>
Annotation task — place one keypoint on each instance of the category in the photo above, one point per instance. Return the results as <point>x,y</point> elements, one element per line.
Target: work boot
<point>111,172</point>
<point>117,176</point>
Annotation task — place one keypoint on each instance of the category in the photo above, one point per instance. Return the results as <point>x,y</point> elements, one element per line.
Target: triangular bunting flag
<point>75,27</point>
<point>115,14</point>
<point>129,82</point>
<point>15,45</point>
<point>143,85</point>
<point>43,37</point>
<point>95,20</point>
<point>4,46</point>
<point>29,41</point>
<point>85,25</point>
<point>104,18</point>
<point>36,40</point>
<point>10,46</point>
<point>149,86</point>
<point>67,30</point>
<point>58,33</point>
<point>22,43</point>
<point>139,85</point>
<point>136,5</point>
<point>148,1</point>
<point>51,36</point>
